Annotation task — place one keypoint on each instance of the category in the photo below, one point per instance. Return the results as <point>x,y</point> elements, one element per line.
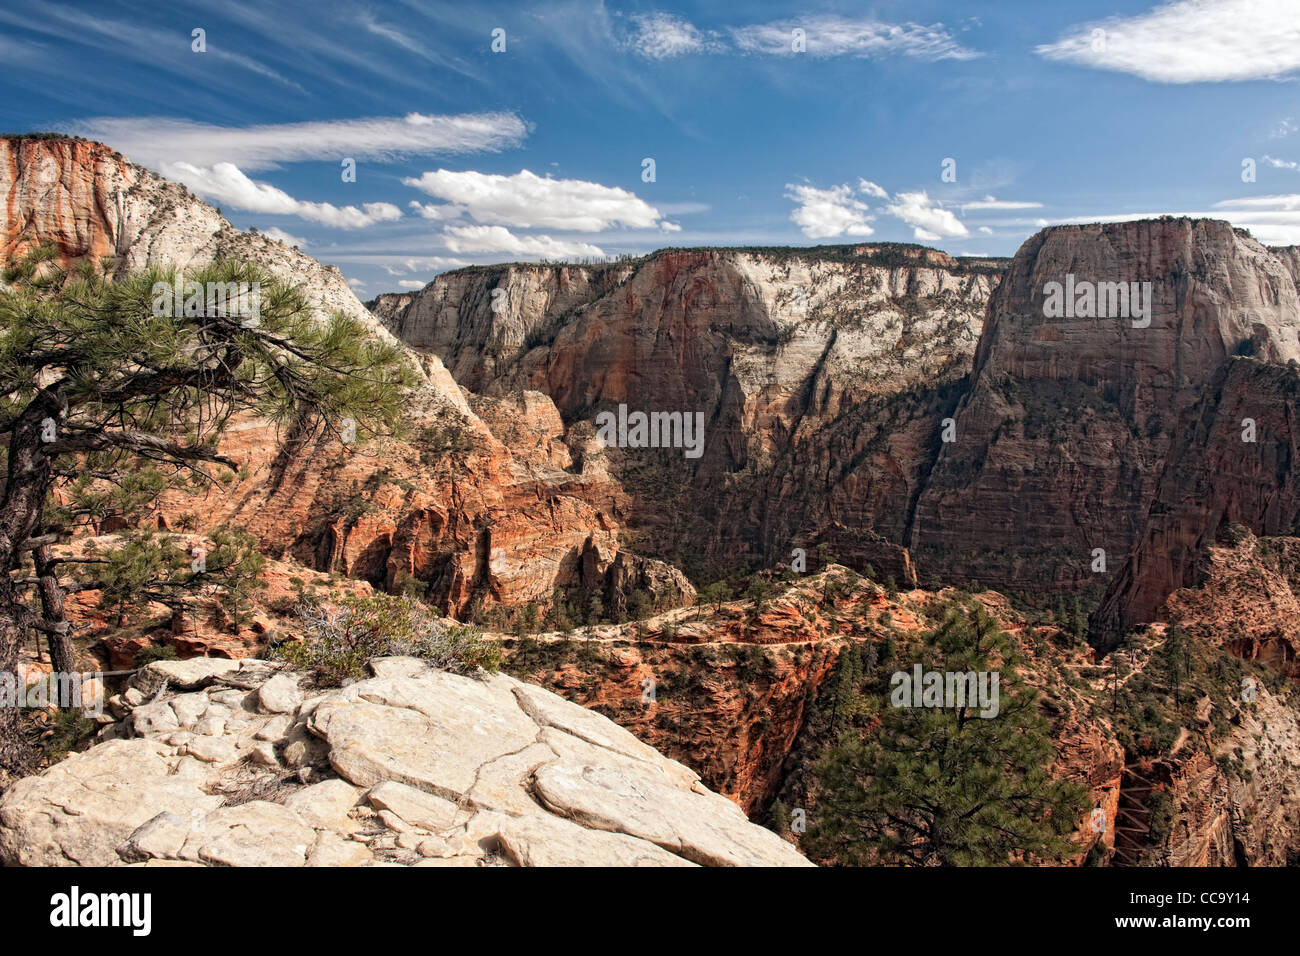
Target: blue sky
<point>1049,113</point>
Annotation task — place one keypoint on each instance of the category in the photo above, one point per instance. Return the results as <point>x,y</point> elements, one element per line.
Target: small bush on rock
<point>340,638</point>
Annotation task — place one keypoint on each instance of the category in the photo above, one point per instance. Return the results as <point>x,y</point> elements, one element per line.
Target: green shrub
<point>340,639</point>
<point>159,652</point>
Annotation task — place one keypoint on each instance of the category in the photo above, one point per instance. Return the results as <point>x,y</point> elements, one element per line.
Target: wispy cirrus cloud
<point>152,141</point>
<point>832,36</point>
<point>226,184</point>
<point>662,36</point>
<point>133,40</point>
<point>1190,41</point>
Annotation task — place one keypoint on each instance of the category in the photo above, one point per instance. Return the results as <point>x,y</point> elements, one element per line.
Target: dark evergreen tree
<point>111,394</point>
<point>948,787</point>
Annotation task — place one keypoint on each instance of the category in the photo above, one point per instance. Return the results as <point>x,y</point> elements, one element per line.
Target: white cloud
<point>411,284</point>
<point>357,285</point>
<point>662,36</point>
<point>437,213</point>
<point>828,36</point>
<point>1283,129</point>
<point>1273,220</point>
<point>871,189</point>
<point>988,202</point>
<point>501,239</point>
<point>527,200</point>
<point>1282,163</point>
<point>424,264</point>
<point>393,35</point>
<point>155,141</point>
<point>279,235</point>
<point>826,213</point>
<point>1284,203</point>
<point>225,184</point>
<point>1190,41</point>
<point>929,221</point>
<point>985,231</point>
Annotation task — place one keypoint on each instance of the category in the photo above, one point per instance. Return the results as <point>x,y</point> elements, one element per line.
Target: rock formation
<point>922,417</point>
<point>92,203</point>
<point>238,764</point>
<point>1233,463</point>
<point>1068,422</point>
<point>822,376</point>
<point>454,511</point>
<point>829,380</point>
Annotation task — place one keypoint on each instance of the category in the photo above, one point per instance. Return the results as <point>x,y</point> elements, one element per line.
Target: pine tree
<point>948,787</point>
<point>848,689</point>
<point>111,397</point>
<point>1078,619</point>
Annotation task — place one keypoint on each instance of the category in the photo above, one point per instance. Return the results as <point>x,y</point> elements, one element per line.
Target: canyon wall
<point>859,397</point>
<point>821,376</point>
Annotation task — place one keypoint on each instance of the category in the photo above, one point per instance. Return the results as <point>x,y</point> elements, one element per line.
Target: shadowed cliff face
<point>821,377</point>
<point>1234,463</point>
<point>1069,421</point>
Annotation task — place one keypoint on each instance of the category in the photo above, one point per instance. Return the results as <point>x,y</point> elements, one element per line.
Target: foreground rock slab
<point>251,766</point>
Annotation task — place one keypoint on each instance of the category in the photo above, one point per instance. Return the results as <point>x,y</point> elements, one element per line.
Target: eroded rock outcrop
<point>821,376</point>
<point>92,203</point>
<point>830,379</point>
<point>246,766</point>
<point>1234,463</point>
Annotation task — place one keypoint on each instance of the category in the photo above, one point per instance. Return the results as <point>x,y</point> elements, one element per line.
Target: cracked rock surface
<point>224,763</point>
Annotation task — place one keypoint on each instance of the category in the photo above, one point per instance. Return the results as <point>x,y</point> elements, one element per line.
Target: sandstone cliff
<point>1068,422</point>
<point>1233,464</point>
<point>451,511</point>
<point>822,376</point>
<point>859,396</point>
<point>92,203</point>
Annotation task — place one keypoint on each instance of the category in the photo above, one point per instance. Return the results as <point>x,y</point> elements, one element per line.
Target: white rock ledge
<point>248,767</point>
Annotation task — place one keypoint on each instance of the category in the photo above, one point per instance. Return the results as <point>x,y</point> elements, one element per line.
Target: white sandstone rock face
<point>92,203</point>
<point>250,766</point>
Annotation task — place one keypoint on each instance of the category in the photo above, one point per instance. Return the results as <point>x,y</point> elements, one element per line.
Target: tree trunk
<point>62,656</point>
<point>16,755</point>
<point>26,485</point>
